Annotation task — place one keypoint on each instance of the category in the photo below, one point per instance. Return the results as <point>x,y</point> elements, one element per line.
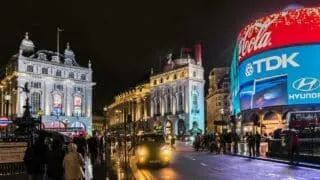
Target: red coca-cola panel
<point>293,27</point>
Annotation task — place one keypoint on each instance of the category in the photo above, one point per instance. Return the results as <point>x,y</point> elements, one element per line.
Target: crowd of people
<point>56,160</point>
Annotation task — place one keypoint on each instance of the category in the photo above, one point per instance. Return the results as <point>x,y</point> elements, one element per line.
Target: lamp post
<point>7,98</point>
<point>40,114</point>
<point>105,123</point>
<point>222,120</point>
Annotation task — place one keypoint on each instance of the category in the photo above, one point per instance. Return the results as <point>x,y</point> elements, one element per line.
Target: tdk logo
<point>306,84</point>
<point>272,63</point>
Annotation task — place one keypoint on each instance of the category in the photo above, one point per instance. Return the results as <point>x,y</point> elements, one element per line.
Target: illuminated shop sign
<point>287,28</point>
<point>285,76</point>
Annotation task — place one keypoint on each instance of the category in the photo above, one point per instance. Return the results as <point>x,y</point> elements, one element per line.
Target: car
<point>153,149</point>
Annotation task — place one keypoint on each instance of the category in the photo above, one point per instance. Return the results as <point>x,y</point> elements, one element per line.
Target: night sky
<point>124,39</point>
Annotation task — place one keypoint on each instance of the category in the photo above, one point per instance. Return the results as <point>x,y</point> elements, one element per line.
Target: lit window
<point>44,70</point>
<point>58,73</point>
<point>35,102</point>
<point>77,105</point>
<point>29,68</point>
<point>71,75</point>
<point>57,104</point>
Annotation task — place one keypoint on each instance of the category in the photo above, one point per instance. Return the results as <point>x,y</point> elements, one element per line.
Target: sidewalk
<point>263,156</point>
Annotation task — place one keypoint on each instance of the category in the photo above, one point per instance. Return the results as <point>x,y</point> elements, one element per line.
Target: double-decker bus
<point>304,121</point>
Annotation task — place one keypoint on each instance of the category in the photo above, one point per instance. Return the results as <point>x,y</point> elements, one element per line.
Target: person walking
<point>73,163</point>
<point>257,142</point>
<point>235,139</point>
<point>55,159</point>
<point>251,144</point>
<point>294,148</point>
<point>40,151</point>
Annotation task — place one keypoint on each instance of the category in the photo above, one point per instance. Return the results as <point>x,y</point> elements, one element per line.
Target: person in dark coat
<point>81,145</point>
<point>251,144</point>
<point>55,159</point>
<point>93,144</point>
<point>39,158</point>
<point>257,142</point>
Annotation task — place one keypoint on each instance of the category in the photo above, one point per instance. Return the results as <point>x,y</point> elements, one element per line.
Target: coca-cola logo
<point>255,36</point>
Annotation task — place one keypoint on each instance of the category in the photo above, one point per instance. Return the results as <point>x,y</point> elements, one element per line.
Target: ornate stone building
<point>59,86</point>
<point>217,100</point>
<point>177,94</point>
<point>132,107</point>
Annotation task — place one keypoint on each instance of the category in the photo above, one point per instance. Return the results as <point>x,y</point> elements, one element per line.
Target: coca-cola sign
<point>293,27</point>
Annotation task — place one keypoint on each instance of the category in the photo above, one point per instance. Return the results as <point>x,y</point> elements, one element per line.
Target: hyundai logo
<point>306,84</point>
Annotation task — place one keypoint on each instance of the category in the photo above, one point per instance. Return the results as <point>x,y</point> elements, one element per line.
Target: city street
<point>188,164</point>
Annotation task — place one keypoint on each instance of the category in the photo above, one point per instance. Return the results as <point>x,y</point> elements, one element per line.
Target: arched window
<point>35,102</point>
<point>168,104</point>
<point>270,116</point>
<point>58,73</point>
<point>180,101</point>
<point>71,75</point>
<point>161,80</point>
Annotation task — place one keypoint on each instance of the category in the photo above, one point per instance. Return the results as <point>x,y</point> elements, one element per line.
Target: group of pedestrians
<point>216,142</point>
<point>253,141</point>
<point>56,160</point>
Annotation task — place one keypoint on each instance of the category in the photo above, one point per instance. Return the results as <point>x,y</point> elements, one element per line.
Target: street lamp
<point>222,121</point>
<point>40,114</point>
<point>7,98</point>
<point>105,124</point>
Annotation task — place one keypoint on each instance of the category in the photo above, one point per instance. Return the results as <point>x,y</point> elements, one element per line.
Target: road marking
<point>203,164</point>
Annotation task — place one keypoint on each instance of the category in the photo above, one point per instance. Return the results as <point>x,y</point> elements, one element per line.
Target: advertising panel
<point>285,76</point>
<point>77,105</point>
<point>286,28</point>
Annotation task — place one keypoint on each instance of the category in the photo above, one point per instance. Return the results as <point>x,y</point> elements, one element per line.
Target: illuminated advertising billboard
<point>276,61</point>
<point>287,28</point>
<point>285,76</point>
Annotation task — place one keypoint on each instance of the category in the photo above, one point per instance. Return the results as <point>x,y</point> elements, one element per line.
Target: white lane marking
<point>203,164</point>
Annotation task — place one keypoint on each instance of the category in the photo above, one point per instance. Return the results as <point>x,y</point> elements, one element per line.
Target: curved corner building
<point>276,69</point>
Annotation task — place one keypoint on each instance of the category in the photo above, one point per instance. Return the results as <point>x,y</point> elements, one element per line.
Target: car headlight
<point>142,151</point>
<point>166,150</point>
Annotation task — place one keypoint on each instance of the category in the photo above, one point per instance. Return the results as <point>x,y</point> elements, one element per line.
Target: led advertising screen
<point>286,28</point>
<point>284,76</point>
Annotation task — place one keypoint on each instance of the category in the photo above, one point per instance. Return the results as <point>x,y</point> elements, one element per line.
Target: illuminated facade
<point>217,100</point>
<point>132,107</point>
<point>177,94</point>
<point>275,69</point>
<point>58,86</point>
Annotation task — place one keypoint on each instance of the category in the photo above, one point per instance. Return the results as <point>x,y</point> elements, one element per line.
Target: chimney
<point>198,53</point>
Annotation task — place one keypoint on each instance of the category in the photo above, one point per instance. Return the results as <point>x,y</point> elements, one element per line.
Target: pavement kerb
<point>301,164</point>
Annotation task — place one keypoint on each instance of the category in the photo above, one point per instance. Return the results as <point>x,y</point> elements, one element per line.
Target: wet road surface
<point>190,165</point>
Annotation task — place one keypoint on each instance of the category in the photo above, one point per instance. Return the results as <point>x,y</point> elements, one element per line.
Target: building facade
<point>131,108</point>
<point>177,95</point>
<point>217,100</point>
<point>59,87</point>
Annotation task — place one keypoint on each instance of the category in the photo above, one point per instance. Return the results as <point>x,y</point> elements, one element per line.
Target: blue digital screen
<point>285,76</point>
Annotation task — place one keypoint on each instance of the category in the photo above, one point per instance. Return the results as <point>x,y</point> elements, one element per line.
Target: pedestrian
<point>235,139</point>
<point>251,144</point>
<point>28,160</point>
<point>223,143</point>
<point>39,158</point>
<point>55,159</point>
<point>294,148</point>
<point>93,144</point>
<point>73,164</point>
<point>81,145</point>
<point>257,142</point>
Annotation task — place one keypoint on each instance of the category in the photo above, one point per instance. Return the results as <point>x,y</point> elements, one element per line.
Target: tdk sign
<point>306,84</point>
<point>272,63</point>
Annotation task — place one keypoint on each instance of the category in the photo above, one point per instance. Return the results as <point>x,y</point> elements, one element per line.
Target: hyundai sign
<point>276,61</point>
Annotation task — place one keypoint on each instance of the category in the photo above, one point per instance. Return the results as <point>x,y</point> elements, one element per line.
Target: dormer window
<point>58,73</point>
<point>29,68</point>
<point>83,77</point>
<point>44,71</point>
<point>42,56</point>
<point>71,75</point>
